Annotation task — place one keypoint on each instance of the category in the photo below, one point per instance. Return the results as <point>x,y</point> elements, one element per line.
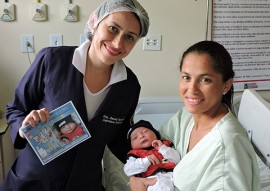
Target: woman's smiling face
<point>115,37</point>
<point>201,88</point>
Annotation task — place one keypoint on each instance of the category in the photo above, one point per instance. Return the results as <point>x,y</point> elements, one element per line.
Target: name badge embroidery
<point>112,120</point>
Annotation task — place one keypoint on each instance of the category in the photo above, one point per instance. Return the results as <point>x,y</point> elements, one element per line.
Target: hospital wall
<point>180,22</point>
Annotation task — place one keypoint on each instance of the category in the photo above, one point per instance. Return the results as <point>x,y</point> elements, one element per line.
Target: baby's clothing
<point>138,164</point>
<point>164,182</point>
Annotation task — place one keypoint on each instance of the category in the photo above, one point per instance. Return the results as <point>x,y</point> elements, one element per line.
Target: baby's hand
<point>153,159</point>
<point>157,144</point>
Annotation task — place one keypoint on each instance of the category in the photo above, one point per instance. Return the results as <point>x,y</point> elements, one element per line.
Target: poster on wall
<point>243,27</point>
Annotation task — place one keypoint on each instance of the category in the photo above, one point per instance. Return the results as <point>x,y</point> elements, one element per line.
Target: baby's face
<point>68,128</point>
<point>142,138</point>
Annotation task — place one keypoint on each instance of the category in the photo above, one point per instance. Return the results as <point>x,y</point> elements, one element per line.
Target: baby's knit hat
<point>142,123</point>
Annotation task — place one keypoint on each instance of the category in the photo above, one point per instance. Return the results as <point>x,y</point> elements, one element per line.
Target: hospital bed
<point>252,111</point>
<point>254,115</point>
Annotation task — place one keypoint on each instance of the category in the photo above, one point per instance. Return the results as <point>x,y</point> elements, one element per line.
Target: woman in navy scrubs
<point>102,88</point>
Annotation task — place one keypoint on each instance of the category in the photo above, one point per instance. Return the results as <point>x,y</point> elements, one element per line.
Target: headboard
<point>157,110</point>
<point>254,115</point>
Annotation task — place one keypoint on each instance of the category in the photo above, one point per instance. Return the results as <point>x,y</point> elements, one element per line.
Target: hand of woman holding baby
<point>141,184</point>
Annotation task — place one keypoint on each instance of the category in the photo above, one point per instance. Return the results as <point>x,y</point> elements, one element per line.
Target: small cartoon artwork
<point>41,138</point>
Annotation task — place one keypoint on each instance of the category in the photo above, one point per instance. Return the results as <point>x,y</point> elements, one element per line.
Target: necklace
<point>216,112</point>
<point>210,120</point>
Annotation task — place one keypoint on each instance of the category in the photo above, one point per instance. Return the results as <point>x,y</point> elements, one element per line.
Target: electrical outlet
<point>56,40</point>
<point>152,42</point>
<point>27,43</point>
